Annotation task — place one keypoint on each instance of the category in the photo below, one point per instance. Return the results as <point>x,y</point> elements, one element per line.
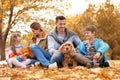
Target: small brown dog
<point>69,52</point>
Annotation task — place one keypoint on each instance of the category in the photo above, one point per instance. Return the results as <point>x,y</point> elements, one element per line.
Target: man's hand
<point>54,51</point>
<point>96,56</point>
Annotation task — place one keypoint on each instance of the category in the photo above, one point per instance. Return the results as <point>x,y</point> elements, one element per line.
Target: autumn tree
<point>107,18</point>
<point>12,12</point>
<point>78,22</point>
<point>74,23</point>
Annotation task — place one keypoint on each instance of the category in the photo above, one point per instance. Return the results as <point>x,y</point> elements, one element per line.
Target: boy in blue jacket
<point>92,50</point>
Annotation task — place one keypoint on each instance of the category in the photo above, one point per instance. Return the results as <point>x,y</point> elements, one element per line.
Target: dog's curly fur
<point>69,52</point>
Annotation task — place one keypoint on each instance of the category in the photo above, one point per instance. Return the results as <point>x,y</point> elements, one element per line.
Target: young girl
<point>15,58</point>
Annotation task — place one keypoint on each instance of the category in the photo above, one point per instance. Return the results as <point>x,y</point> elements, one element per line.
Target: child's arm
<point>11,54</point>
<point>82,49</point>
<point>103,47</point>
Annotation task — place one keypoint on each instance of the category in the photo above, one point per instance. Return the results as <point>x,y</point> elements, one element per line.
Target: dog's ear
<point>73,52</point>
<point>61,48</point>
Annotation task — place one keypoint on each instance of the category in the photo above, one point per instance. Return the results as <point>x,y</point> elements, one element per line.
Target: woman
<point>41,55</point>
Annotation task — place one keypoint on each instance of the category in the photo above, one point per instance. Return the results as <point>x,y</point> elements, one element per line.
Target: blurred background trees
<point>14,13</point>
<point>106,17</point>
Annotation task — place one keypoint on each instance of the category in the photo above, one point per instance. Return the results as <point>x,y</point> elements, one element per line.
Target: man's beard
<point>62,30</point>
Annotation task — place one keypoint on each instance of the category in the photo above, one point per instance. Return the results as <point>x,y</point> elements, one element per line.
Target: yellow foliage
<point>1,16</point>
<point>5,4</point>
<point>2,25</point>
<point>18,3</point>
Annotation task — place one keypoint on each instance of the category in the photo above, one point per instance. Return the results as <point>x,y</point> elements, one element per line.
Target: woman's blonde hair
<point>12,40</point>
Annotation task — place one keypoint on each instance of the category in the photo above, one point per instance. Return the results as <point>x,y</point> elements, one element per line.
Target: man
<point>57,37</point>
<point>92,50</point>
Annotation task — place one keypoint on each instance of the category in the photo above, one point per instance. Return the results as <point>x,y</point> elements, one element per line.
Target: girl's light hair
<point>12,40</point>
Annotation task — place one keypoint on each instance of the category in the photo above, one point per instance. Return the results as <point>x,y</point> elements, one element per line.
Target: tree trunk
<point>0,37</point>
<point>7,30</point>
<point>3,50</point>
<point>2,43</point>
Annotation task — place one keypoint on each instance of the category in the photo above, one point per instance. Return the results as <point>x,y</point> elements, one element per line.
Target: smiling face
<point>89,35</point>
<point>35,32</point>
<point>16,38</point>
<point>60,24</point>
<point>36,29</point>
<point>89,32</point>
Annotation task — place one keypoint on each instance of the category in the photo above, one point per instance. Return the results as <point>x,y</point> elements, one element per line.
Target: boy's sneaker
<point>53,65</point>
<point>105,64</point>
<point>90,65</point>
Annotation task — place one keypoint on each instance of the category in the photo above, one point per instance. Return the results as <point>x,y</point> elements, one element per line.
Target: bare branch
<point>21,11</point>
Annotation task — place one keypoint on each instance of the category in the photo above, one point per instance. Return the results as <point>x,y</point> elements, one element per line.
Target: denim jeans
<point>41,55</point>
<point>57,57</point>
<point>33,61</point>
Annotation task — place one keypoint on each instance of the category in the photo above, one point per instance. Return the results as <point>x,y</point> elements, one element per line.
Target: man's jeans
<point>57,57</point>
<point>42,56</point>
